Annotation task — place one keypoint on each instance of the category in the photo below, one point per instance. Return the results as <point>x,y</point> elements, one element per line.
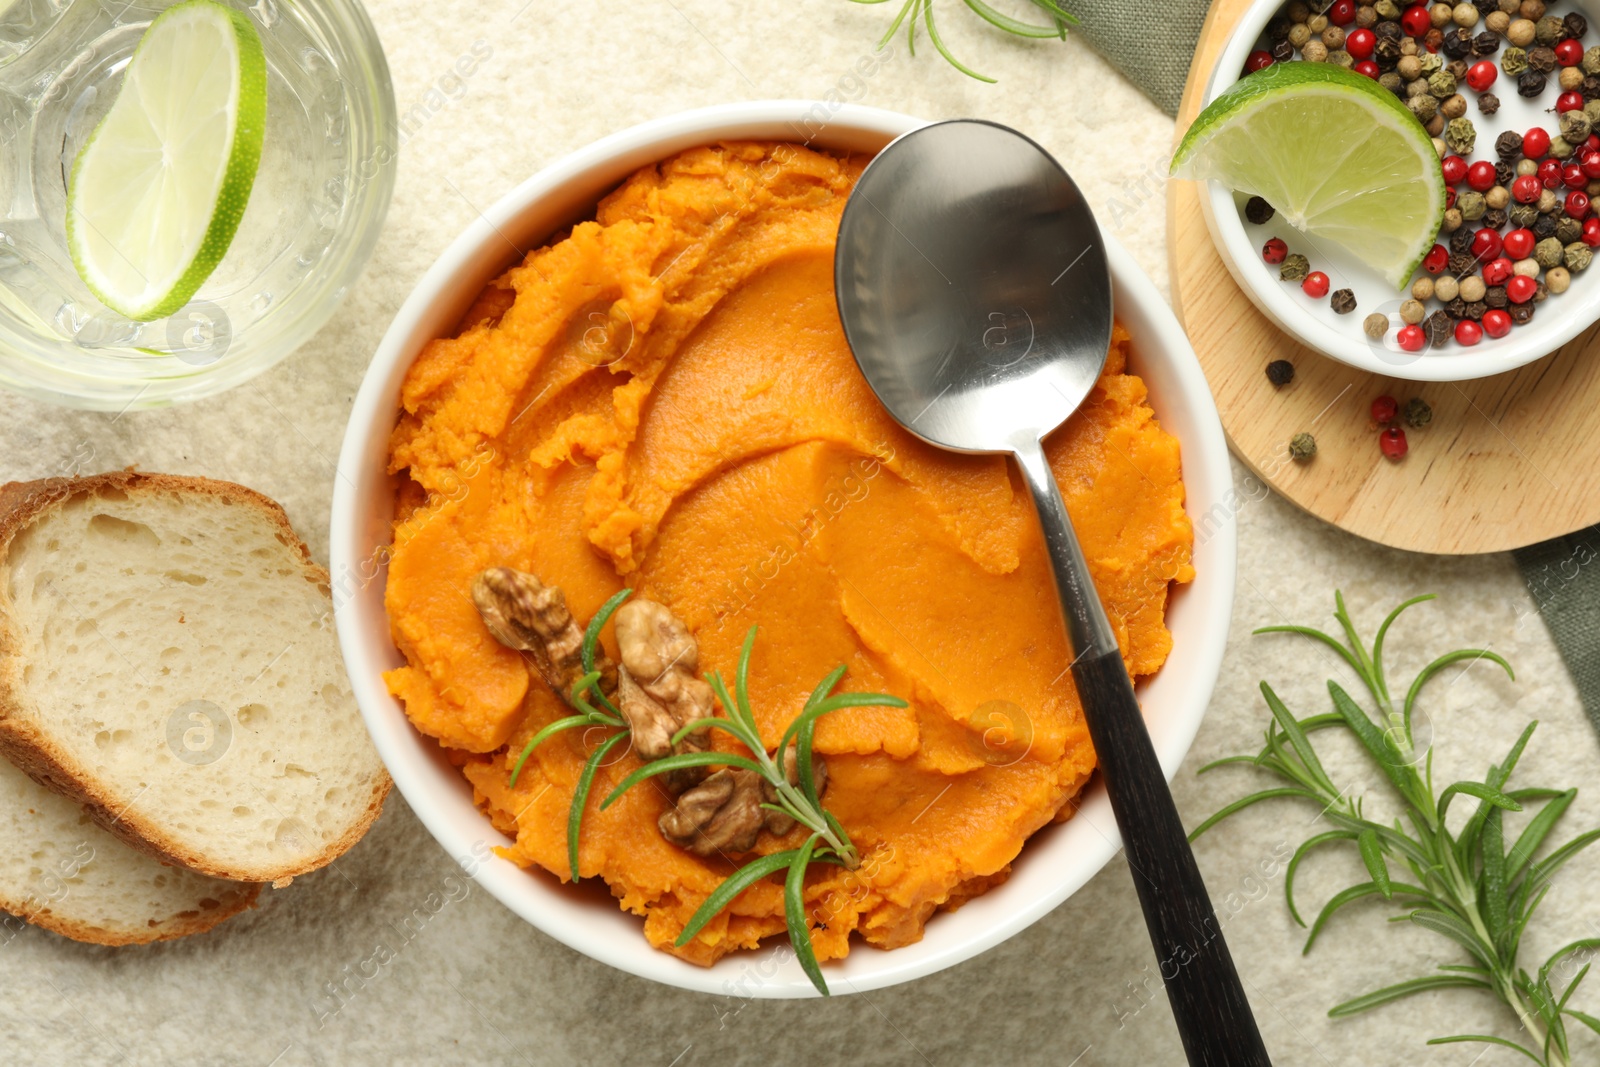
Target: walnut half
<point>525,614</point>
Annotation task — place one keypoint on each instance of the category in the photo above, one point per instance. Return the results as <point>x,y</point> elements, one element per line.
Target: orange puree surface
<point>663,399</point>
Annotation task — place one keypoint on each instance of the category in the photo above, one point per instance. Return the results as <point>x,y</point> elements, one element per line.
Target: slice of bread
<point>61,871</point>
<point>167,659</point>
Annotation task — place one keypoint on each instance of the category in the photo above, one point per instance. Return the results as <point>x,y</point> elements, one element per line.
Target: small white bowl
<point>1054,863</point>
<point>1314,324</point>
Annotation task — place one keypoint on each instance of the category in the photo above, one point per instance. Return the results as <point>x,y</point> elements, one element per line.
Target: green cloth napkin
<point>1563,577</point>
<point>1152,44</point>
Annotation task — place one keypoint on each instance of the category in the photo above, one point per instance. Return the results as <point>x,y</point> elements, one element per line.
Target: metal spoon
<point>974,292</point>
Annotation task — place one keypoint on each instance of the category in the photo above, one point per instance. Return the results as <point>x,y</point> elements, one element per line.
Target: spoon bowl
<point>996,322</point>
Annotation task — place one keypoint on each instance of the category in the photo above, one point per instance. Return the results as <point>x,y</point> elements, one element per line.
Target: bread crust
<point>242,897</point>
<point>21,505</point>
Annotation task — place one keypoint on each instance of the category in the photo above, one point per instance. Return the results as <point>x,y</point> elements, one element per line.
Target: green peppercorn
<point>1471,205</point>
<point>1514,61</point>
<point>1441,83</point>
<point>1548,253</point>
<point>1295,268</point>
<point>1568,229</point>
<point>1460,135</point>
<point>1424,107</point>
<point>1547,31</point>
<point>1577,256</point>
<point>1591,111</point>
<point>1418,413</point>
<point>1302,446</point>
<point>1560,147</point>
<point>1575,127</point>
<point>1387,10</point>
<point>1523,215</point>
<point>1591,60</point>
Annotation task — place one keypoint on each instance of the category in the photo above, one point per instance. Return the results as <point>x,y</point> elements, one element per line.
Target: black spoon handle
<point>1208,1001</point>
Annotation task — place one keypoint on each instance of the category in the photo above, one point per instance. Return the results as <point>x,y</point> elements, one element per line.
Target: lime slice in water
<point>157,192</point>
<point>1336,154</point>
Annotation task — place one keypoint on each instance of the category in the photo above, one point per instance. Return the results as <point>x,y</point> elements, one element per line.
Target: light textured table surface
<point>474,984</point>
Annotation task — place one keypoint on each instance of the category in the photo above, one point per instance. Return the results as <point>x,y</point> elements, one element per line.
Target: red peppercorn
<point>1526,189</point>
<point>1485,244</point>
<point>1454,169</point>
<point>1411,338</point>
<point>1591,163</point>
<point>1393,440</point>
<point>1467,333</point>
<point>1518,244</point>
<point>1257,60</point>
<point>1577,205</point>
<point>1437,259</point>
<point>1368,68</point>
<point>1482,74</point>
<point>1535,143</point>
<point>1481,176</point>
<point>1342,12</point>
<point>1316,284</point>
<point>1496,323</point>
<point>1433,40</point>
<point>1569,102</point>
<point>1497,270</point>
<point>1275,250</point>
<point>1360,43</point>
<point>1449,199</point>
<point>1550,173</point>
<point>1573,177</point>
<point>1384,409</point>
<point>1520,289</point>
<point>1591,231</point>
<point>1591,143</point>
<point>1416,21</point>
<point>1569,53</point>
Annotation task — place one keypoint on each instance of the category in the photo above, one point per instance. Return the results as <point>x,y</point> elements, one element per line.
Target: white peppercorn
<point>1547,202</point>
<point>1526,167</point>
<point>1498,198</point>
<point>1314,52</point>
<point>1452,220</point>
<point>1558,280</point>
<point>1412,312</point>
<point>1422,288</point>
<point>1472,288</point>
<point>1375,325</point>
<point>1528,268</point>
<point>1446,288</point>
<point>1410,68</point>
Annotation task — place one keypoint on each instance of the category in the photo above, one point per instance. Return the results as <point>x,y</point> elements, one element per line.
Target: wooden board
<point>1508,460</point>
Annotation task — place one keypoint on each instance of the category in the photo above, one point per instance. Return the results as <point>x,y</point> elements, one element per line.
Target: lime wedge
<point>1336,154</point>
<point>157,192</point>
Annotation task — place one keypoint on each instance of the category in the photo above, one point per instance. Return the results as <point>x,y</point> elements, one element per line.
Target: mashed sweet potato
<point>663,399</point>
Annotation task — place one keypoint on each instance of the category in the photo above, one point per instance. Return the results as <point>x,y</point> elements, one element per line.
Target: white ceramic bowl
<point>1314,324</point>
<point>1055,863</point>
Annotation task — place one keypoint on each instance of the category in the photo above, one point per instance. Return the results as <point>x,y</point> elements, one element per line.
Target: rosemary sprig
<point>827,843</point>
<point>1466,886</point>
<point>911,10</point>
<point>605,717</point>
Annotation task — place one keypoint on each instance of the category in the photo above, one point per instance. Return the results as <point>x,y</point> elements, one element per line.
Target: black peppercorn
<point>1461,240</point>
<point>1462,264</point>
<point>1258,210</point>
<point>1486,43</point>
<point>1530,84</point>
<point>1476,309</point>
<point>1343,301</point>
<point>1488,103</point>
<point>1417,412</point>
<point>1574,25</point>
<point>1457,44</point>
<point>1544,226</point>
<point>1521,314</point>
<point>1508,146</point>
<point>1496,297</point>
<point>1486,7</point>
<point>1440,327</point>
<point>1590,87</point>
<point>1457,69</point>
<point>1386,51</point>
<point>1283,51</point>
<point>1280,372</point>
<point>1388,31</point>
<point>1542,59</point>
<point>1504,173</point>
<point>1278,28</point>
<point>1457,308</point>
<point>1495,218</point>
